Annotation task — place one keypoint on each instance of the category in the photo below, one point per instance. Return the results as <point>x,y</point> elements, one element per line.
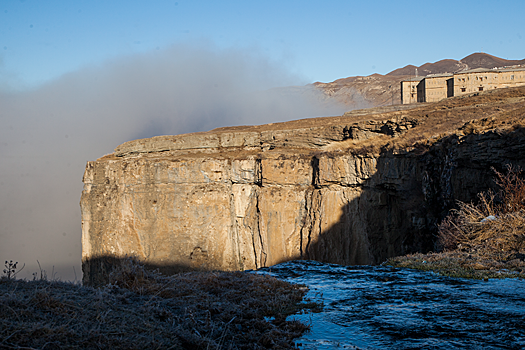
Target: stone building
<point>475,80</point>
<point>433,88</point>
<point>409,90</point>
<point>437,87</point>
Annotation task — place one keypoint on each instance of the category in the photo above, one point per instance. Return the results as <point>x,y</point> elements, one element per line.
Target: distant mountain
<point>380,90</point>
<point>476,60</point>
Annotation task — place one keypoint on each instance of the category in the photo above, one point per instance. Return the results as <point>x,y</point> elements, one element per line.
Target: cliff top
<point>397,128</point>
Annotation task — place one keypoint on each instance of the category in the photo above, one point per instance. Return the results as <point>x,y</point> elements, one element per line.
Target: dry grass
<point>501,110</point>
<point>483,240</point>
<point>461,264</point>
<point>493,228</point>
<point>141,309</point>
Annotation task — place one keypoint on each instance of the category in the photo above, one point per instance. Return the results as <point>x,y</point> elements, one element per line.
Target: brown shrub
<point>494,227</point>
<point>512,190</point>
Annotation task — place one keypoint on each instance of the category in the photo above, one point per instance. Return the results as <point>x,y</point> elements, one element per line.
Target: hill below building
<point>383,90</point>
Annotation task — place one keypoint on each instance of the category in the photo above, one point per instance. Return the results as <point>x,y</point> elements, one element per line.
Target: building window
<point>480,88</point>
<point>512,77</point>
<point>463,89</point>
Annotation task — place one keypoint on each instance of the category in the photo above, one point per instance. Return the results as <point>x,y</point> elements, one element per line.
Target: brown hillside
<point>383,90</point>
<point>443,66</point>
<point>475,60</point>
<point>483,60</point>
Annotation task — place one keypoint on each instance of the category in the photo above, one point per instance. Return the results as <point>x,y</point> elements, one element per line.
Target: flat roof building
<point>437,87</point>
<point>409,90</point>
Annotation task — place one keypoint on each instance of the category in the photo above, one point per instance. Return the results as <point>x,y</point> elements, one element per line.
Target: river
<point>380,307</point>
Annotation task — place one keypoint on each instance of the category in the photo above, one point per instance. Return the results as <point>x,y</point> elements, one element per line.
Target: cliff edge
<point>354,189</point>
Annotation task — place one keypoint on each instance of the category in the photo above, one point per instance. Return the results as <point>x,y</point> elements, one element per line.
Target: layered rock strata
<point>335,190</point>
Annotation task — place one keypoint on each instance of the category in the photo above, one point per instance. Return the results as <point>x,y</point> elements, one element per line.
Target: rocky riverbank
<point>461,264</point>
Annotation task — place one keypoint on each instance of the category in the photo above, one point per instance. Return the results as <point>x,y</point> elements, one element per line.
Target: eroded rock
<point>237,199</point>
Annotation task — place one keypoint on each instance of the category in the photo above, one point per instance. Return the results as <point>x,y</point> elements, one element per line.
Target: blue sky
<point>317,40</point>
<point>78,78</point>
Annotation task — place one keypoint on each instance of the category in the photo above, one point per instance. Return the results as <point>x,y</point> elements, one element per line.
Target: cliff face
<point>355,189</point>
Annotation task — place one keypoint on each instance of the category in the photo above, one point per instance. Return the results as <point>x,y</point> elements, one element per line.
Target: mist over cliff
<point>49,133</point>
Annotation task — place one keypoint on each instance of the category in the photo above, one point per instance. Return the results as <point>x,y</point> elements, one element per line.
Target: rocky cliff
<point>354,189</point>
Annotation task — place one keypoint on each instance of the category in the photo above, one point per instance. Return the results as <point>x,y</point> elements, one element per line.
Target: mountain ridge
<point>378,90</point>
<point>475,60</point>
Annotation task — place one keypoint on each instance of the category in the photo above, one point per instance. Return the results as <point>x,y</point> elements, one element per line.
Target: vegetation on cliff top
<point>483,240</point>
<point>141,309</point>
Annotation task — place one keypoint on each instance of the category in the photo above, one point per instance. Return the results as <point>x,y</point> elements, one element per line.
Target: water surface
<point>388,308</point>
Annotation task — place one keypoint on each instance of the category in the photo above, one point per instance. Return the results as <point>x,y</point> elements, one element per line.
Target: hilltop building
<point>437,87</point>
<point>409,90</point>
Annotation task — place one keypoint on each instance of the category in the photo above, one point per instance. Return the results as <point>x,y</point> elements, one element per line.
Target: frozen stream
<point>386,308</point>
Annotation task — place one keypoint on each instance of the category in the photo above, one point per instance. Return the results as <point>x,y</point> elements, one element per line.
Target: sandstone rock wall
<point>243,213</point>
<point>248,199</point>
